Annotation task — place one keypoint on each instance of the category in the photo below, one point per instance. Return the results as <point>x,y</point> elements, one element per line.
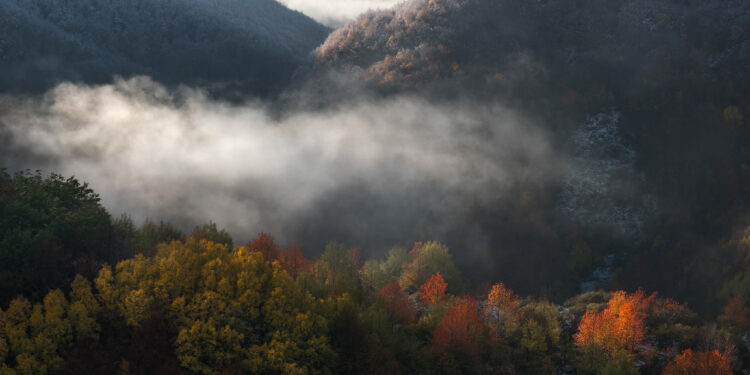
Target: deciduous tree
<point>266,245</point>
<point>461,336</point>
<point>699,363</point>
<point>425,259</point>
<point>393,297</point>
<point>293,261</point>
<point>619,326</point>
<point>433,290</point>
<point>736,314</point>
<point>501,303</point>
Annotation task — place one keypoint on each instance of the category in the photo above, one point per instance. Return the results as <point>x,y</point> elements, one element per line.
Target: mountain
<point>658,88</point>
<point>501,43</point>
<point>253,45</point>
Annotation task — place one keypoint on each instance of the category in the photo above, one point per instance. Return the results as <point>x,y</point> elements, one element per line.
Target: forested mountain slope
<point>669,78</point>
<point>620,45</point>
<point>251,45</point>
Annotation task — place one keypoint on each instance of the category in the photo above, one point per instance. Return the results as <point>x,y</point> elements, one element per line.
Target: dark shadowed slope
<point>659,88</point>
<point>499,43</point>
<point>255,45</point>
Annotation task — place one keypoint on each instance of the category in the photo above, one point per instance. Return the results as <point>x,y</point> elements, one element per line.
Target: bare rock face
<point>602,187</point>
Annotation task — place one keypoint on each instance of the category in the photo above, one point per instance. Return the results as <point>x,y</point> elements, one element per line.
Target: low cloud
<point>371,172</point>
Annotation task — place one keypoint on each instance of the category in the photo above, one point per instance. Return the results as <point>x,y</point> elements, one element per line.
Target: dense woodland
<point>630,256</point>
<point>676,74</point>
<point>83,292</point>
<point>246,46</point>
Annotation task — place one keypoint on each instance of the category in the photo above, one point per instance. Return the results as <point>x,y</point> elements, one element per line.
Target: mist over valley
<point>552,162</point>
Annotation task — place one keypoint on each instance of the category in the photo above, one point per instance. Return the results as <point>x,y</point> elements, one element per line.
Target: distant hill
<point>252,45</point>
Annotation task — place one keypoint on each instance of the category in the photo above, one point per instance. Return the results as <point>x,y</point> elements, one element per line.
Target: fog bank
<point>372,173</point>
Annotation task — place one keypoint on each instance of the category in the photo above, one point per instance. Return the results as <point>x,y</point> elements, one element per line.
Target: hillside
<point>494,187</point>
<point>657,88</point>
<point>498,43</point>
<point>252,46</point>
<point>167,303</point>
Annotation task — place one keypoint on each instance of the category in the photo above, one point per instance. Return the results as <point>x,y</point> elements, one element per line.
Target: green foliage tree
<point>150,234</point>
<point>338,271</point>
<point>211,232</point>
<point>425,260</point>
<point>50,229</point>
<point>538,336</point>
<point>378,273</point>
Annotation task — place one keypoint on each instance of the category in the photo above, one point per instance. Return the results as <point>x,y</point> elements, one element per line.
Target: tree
<point>393,297</point>
<point>229,308</point>
<point>212,233</point>
<point>151,234</point>
<point>358,350</point>
<point>425,259</point>
<point>50,229</point>
<point>433,290</point>
<point>699,363</point>
<point>293,261</point>
<point>379,273</point>
<point>83,309</point>
<point>537,332</point>
<point>265,244</point>
<point>338,270</point>
<point>501,303</point>
<point>36,337</point>
<point>620,326</point>
<point>736,314</point>
<point>460,338</point>
<point>620,364</point>
<point>202,348</point>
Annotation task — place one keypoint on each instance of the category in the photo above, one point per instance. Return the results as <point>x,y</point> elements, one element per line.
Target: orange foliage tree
<point>501,301</point>
<point>619,326</point>
<point>461,334</point>
<point>699,363</point>
<point>265,244</point>
<point>293,261</point>
<point>396,301</point>
<point>433,290</point>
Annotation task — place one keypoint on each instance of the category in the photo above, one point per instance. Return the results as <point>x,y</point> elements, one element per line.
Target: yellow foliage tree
<point>230,306</point>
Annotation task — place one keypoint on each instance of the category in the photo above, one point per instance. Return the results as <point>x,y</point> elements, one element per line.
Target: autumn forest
<point>120,298</point>
<point>414,187</point>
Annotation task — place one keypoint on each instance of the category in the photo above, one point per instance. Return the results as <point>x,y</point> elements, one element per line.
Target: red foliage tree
<point>619,326</point>
<point>293,261</point>
<point>461,334</point>
<point>699,363</point>
<point>356,257</point>
<point>664,309</point>
<point>736,314</point>
<point>396,301</point>
<point>266,245</point>
<point>433,290</point>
